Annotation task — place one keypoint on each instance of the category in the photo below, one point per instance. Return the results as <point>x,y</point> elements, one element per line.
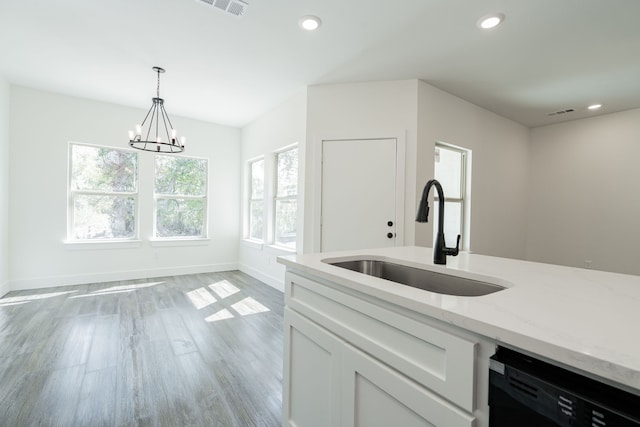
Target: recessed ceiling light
<point>594,106</point>
<point>310,22</point>
<point>490,21</point>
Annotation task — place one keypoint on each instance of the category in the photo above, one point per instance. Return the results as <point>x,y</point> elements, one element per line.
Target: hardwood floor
<point>196,350</point>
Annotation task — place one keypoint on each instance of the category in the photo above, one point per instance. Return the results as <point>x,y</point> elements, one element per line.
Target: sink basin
<point>418,278</point>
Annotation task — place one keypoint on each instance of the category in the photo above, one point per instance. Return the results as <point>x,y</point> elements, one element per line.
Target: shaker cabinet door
<point>311,380</point>
<point>375,395</point>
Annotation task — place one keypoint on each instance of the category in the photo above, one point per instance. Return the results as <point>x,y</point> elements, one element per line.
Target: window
<point>180,197</point>
<point>286,198</point>
<point>450,171</point>
<point>103,193</point>
<point>256,199</point>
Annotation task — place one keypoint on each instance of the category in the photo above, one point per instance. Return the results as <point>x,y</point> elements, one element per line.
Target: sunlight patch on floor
<point>201,298</point>
<point>249,306</point>
<point>220,315</point>
<point>29,298</point>
<point>119,289</point>
<point>224,288</point>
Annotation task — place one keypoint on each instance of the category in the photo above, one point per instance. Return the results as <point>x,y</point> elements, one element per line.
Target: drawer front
<point>440,361</point>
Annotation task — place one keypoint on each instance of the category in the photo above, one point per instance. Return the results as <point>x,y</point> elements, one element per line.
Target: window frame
<point>204,197</point>
<point>464,196</point>
<point>72,193</point>
<point>250,200</point>
<point>276,198</point>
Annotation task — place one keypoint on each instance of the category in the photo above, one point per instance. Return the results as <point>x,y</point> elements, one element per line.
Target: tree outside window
<point>256,200</point>
<point>286,203</point>
<point>103,192</point>
<point>180,196</point>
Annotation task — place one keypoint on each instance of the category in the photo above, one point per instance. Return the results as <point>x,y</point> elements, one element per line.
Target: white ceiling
<point>548,55</point>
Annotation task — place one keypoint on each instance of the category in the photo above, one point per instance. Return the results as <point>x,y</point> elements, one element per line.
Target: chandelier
<point>148,135</point>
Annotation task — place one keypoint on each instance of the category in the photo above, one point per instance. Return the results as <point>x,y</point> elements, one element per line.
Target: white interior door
<point>358,200</point>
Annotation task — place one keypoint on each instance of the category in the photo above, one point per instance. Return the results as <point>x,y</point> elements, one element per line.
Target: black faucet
<point>440,251</point>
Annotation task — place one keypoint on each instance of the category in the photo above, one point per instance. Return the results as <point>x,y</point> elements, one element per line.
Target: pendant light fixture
<point>148,134</point>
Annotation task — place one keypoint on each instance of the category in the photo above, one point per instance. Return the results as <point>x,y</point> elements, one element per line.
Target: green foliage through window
<point>181,196</point>
<point>286,203</point>
<point>103,191</point>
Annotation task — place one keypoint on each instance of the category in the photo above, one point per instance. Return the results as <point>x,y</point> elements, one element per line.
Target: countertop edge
<point>606,369</point>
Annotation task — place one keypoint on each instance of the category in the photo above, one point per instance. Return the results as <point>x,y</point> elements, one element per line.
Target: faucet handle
<point>453,251</point>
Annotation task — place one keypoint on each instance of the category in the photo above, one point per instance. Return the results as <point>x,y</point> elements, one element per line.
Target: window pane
<point>257,179</point>
<point>448,170</point>
<point>103,169</point>
<point>181,176</point>
<point>180,218</point>
<point>286,211</point>
<point>103,217</point>
<point>288,173</point>
<point>255,219</point>
<point>452,222</point>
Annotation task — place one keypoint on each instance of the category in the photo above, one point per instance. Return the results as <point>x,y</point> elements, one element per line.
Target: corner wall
<point>360,110</point>
<point>4,186</point>
<point>41,126</point>
<point>282,126</point>
<point>584,201</point>
<point>499,170</point>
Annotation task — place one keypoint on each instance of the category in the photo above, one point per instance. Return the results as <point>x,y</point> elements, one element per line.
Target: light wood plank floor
<point>195,350</point>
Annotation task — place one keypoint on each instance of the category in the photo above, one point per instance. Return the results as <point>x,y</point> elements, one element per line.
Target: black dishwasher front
<point>527,392</point>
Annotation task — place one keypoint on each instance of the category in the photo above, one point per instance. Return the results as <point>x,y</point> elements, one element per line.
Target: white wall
<point>584,199</point>
<point>283,126</point>
<point>360,110</point>
<point>4,186</point>
<point>499,171</point>
<point>41,126</point>
<point>426,115</point>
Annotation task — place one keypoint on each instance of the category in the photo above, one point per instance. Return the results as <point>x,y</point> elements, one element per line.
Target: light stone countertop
<point>585,319</point>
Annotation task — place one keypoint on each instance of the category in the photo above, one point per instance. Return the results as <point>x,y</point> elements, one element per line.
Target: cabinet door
<point>375,395</point>
<point>311,382</point>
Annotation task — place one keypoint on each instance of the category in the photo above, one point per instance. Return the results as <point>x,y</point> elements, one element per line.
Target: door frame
<point>399,136</point>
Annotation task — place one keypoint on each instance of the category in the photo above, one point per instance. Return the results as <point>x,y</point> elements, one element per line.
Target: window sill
<point>253,244</point>
<point>280,250</point>
<point>102,244</point>
<point>196,241</point>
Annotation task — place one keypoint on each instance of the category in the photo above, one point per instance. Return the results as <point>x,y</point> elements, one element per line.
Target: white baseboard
<point>4,288</point>
<point>80,279</point>
<point>274,282</point>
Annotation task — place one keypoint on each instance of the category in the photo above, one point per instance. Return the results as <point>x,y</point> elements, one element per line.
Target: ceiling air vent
<point>234,7</point>
<point>555,113</point>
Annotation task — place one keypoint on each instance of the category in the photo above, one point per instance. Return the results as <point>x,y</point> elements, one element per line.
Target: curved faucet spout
<point>440,251</point>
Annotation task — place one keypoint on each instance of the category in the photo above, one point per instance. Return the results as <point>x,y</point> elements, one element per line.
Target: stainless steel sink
<point>418,278</point>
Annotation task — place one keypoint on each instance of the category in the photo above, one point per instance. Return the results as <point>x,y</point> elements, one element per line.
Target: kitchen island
<point>439,345</point>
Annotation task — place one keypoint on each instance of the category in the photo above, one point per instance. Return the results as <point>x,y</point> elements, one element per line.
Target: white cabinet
<point>311,375</point>
<point>353,361</point>
<point>376,395</point>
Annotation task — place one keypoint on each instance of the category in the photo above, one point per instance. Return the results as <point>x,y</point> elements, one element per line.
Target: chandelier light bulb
<point>131,135</point>
<point>138,129</point>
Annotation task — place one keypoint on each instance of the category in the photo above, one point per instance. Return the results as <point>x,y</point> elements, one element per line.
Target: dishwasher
<point>527,392</point>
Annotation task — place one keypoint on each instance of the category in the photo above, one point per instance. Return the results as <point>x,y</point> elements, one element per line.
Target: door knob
<point>390,223</point>
<point>390,235</point>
